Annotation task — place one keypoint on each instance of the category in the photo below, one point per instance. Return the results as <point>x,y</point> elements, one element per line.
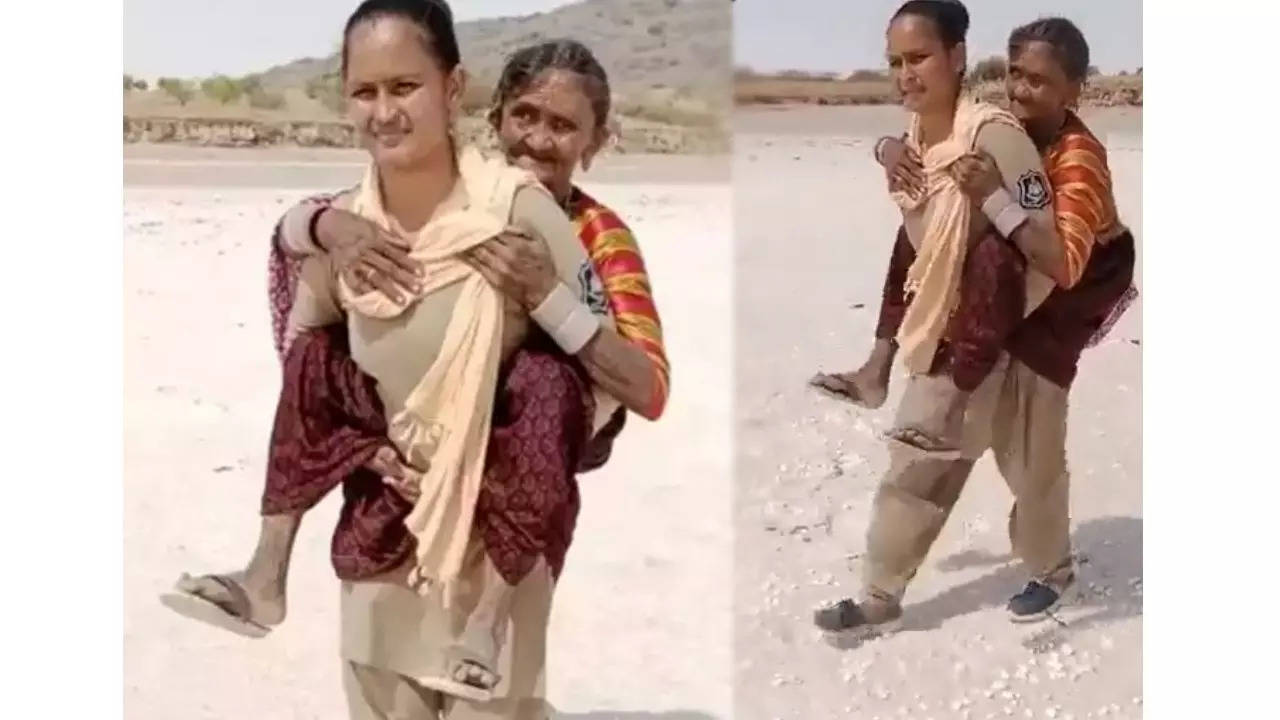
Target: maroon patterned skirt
<point>1052,338</point>
<point>991,304</point>
<point>989,316</point>
<point>330,422</point>
<point>993,300</point>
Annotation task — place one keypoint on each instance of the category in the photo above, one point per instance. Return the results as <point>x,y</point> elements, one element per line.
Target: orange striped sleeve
<point>1083,205</point>
<point>616,256</point>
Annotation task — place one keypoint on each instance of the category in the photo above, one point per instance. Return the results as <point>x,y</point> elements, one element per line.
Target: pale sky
<point>197,38</point>
<point>846,35</point>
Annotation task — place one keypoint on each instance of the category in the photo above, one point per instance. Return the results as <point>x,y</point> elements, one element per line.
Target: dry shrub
<point>327,90</point>
<point>672,115</point>
<point>478,97</point>
<point>777,90</point>
<point>868,76</point>
<point>667,107</point>
<point>798,75</point>
<point>265,99</point>
<point>250,83</point>
<point>991,69</point>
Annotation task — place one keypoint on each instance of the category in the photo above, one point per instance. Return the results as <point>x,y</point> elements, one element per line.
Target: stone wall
<point>226,132</point>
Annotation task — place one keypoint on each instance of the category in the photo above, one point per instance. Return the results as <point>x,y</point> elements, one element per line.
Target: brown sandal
<point>835,386</point>
<point>232,616</point>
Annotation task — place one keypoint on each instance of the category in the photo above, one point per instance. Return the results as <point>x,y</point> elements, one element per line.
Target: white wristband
<point>569,322</point>
<point>1003,212</point>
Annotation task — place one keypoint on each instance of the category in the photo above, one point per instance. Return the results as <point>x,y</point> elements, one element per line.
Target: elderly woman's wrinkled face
<point>1037,83</point>
<point>549,127</point>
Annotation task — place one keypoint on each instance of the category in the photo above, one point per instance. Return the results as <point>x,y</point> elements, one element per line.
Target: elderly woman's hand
<point>396,474</point>
<point>366,256</point>
<point>977,176</point>
<point>519,266</point>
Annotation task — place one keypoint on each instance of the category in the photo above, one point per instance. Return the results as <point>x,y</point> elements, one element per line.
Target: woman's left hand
<point>977,176</point>
<point>519,266</point>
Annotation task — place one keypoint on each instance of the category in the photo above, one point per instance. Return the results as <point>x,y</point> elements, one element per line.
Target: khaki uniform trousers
<point>1022,418</point>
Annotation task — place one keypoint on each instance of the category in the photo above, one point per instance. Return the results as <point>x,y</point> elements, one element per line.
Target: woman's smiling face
<point>399,98</point>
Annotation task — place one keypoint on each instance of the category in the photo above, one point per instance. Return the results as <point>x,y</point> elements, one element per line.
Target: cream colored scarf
<point>443,428</point>
<point>933,281</point>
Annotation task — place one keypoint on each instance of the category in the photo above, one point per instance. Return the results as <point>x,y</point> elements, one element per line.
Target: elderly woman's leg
<point>528,500</point>
<point>522,693</point>
<point>868,386</point>
<point>993,300</point>
<point>328,423</point>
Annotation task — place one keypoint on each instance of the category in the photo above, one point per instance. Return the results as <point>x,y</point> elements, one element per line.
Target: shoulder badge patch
<point>592,289</point>
<point>1033,190</point>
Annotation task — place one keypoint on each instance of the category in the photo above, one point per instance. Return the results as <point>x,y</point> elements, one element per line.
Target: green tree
<point>991,69</point>
<point>179,90</point>
<point>221,88</point>
<point>128,82</point>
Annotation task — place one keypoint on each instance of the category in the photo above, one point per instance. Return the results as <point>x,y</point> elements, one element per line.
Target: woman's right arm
<point>617,258</point>
<point>620,367</point>
<point>295,232</point>
<point>1023,213</point>
<point>1081,191</point>
<point>367,257</point>
<point>302,294</point>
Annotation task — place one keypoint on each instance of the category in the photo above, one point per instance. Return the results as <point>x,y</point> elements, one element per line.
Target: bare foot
<point>931,417</point>
<point>239,594</point>
<point>868,386</point>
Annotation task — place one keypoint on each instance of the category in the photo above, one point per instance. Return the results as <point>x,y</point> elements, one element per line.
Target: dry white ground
<point>642,621</point>
<point>813,231</point>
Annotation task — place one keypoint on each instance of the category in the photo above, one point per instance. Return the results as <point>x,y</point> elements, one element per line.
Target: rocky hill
<point>683,44</point>
<point>669,65</point>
